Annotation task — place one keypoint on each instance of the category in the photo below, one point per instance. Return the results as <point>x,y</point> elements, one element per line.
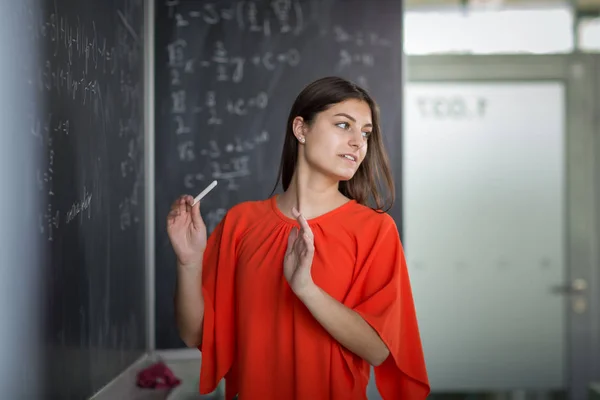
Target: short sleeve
<point>218,278</point>
<point>382,295</point>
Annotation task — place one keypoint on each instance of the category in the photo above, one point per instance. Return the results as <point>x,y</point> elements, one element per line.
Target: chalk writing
<point>128,206</point>
<point>128,166</point>
<point>207,122</point>
<point>190,180</point>
<point>228,68</point>
<point>78,207</point>
<point>77,70</point>
<point>186,151</point>
<point>132,140</point>
<point>179,103</point>
<point>49,217</point>
<point>235,106</point>
<point>241,145</point>
<point>176,53</point>
<point>213,150</point>
<point>235,167</point>
<point>347,59</point>
<point>211,103</point>
<point>181,127</point>
<point>213,217</point>
<point>125,219</point>
<point>228,162</point>
<point>80,108</point>
<point>129,126</point>
<point>49,221</point>
<point>282,17</point>
<point>269,60</point>
<point>240,106</point>
<point>358,37</point>
<point>362,81</point>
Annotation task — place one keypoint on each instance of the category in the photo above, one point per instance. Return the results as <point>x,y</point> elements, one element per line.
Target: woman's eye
<point>346,126</point>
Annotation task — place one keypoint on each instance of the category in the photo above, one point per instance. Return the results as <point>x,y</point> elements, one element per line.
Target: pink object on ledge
<point>157,376</point>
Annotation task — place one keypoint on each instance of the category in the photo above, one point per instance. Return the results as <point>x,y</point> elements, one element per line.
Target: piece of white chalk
<point>205,192</point>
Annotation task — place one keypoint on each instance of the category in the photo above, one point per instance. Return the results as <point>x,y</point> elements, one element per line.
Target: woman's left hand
<point>297,262</point>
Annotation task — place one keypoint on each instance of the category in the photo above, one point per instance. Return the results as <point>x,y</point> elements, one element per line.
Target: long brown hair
<point>372,184</point>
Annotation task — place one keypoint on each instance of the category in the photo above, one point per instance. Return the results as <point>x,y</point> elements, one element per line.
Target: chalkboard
<point>227,73</point>
<point>77,110</point>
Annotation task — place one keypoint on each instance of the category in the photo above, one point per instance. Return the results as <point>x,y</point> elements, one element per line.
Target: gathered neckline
<point>290,220</point>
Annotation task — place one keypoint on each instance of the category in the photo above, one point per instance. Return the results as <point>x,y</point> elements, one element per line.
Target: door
<point>495,185</point>
<point>484,223</point>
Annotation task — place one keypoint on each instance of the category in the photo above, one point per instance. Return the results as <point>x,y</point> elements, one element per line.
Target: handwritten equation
<point>282,17</point>
<point>226,163</point>
<point>239,106</point>
<point>356,37</point>
<point>234,94</point>
<point>79,68</point>
<point>228,68</point>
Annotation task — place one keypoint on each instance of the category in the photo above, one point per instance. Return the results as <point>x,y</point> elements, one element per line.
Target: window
<point>589,34</point>
<point>503,31</point>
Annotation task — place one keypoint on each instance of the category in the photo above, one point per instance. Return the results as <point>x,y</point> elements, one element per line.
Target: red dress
<point>264,341</point>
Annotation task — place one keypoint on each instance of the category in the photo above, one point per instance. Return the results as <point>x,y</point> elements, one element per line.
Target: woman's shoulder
<point>364,217</point>
<point>366,230</point>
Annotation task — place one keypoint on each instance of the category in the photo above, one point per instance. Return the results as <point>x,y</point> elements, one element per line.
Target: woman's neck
<point>312,194</point>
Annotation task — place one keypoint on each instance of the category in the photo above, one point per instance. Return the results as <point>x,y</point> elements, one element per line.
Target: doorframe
<point>580,74</point>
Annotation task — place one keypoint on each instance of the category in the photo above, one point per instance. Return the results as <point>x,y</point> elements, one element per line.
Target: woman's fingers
<point>308,243</point>
<point>303,223</point>
<point>178,207</point>
<point>292,239</point>
<point>291,245</point>
<point>175,204</point>
<point>196,217</point>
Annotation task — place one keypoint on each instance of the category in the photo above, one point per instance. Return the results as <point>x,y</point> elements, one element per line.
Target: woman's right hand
<point>187,231</point>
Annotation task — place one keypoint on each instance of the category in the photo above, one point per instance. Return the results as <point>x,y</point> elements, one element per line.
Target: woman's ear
<point>299,128</point>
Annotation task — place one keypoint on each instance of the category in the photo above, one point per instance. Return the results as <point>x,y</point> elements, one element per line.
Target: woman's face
<point>335,143</point>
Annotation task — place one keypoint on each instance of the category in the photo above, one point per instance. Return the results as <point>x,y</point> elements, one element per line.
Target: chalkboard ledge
<point>185,365</point>
<point>124,386</point>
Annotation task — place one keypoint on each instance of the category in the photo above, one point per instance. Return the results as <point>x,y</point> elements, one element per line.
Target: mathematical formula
<point>236,106</point>
<point>282,17</point>
<point>227,162</point>
<point>358,38</point>
<point>229,69</point>
<point>79,68</point>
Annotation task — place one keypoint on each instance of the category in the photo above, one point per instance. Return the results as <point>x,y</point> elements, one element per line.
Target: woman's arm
<point>189,304</point>
<point>345,325</point>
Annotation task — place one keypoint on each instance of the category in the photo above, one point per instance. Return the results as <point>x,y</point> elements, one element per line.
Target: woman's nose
<point>357,142</point>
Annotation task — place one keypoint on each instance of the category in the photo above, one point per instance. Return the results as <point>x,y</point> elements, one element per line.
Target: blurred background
<point>113,108</point>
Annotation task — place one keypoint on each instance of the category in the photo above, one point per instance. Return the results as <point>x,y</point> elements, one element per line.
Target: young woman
<point>296,296</point>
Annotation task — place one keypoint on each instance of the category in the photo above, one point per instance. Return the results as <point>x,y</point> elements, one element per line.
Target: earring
<point>302,140</point>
